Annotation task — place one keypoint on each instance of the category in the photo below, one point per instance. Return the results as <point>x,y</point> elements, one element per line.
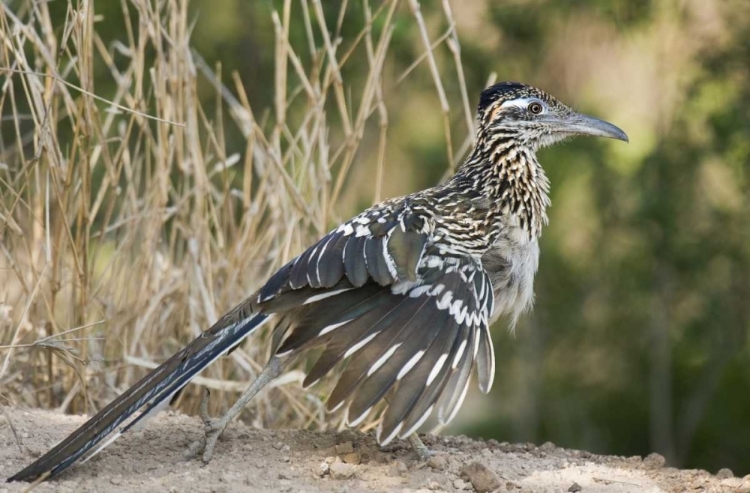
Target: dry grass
<point>127,229</point>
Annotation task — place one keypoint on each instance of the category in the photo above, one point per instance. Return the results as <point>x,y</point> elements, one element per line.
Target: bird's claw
<point>213,432</point>
<point>212,428</point>
<point>419,448</point>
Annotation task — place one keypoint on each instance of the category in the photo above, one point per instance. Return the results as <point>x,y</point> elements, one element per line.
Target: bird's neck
<point>511,179</point>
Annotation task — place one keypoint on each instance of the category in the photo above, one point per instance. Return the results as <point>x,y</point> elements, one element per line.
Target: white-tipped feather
<point>310,384</point>
<point>101,446</point>
<point>488,340</point>
<point>455,409</point>
<point>360,345</point>
<point>359,419</point>
<point>338,406</point>
<point>322,296</point>
<point>389,261</point>
<point>317,262</point>
<point>419,423</point>
<point>390,437</point>
<point>409,365</point>
<point>382,360</point>
<point>459,353</point>
<point>332,327</point>
<point>142,419</point>
<point>436,369</point>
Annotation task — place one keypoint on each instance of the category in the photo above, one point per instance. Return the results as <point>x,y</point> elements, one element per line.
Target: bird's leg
<point>420,448</point>
<point>215,427</point>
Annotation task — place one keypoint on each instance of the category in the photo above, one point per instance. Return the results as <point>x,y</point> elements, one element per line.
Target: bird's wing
<point>379,286</point>
<point>408,316</point>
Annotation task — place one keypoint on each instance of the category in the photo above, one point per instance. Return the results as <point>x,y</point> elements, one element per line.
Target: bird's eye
<point>535,108</point>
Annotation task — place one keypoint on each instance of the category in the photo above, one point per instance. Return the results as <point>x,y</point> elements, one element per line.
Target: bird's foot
<point>213,428</point>
<point>420,448</point>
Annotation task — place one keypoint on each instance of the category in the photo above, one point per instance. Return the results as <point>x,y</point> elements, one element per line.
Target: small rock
<point>745,485</point>
<point>725,473</point>
<point>547,447</point>
<point>278,445</point>
<point>439,462</point>
<point>732,483</point>
<point>340,470</point>
<point>654,461</point>
<point>398,468</point>
<point>323,469</point>
<point>510,486</point>
<point>351,458</point>
<point>433,485</point>
<point>344,448</point>
<point>574,488</point>
<point>460,484</point>
<point>480,477</point>
<point>116,481</point>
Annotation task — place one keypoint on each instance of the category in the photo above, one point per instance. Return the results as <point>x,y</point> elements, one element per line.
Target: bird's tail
<point>155,389</point>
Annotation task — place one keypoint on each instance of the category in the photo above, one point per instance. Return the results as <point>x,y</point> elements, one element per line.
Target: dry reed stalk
<point>123,214</point>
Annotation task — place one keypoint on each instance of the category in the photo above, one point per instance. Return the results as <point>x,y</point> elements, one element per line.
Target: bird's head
<point>534,118</point>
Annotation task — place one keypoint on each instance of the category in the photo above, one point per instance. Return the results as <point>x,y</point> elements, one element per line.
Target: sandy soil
<point>247,459</point>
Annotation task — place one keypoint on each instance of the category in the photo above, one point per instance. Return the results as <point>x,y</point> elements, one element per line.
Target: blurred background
<point>638,341</point>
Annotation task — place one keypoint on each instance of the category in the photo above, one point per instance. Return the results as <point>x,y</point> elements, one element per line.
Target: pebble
<point>575,487</point>
<point>725,473</point>
<point>733,483</point>
<point>548,447</point>
<point>341,470</point>
<point>351,458</point>
<point>745,485</point>
<point>460,484</point>
<point>482,478</point>
<point>439,462</point>
<point>344,448</point>
<point>398,468</point>
<point>654,461</point>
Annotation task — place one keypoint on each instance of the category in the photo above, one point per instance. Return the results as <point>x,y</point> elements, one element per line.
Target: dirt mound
<point>248,459</point>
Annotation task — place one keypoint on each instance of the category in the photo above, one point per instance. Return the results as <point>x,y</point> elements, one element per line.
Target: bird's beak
<point>579,124</point>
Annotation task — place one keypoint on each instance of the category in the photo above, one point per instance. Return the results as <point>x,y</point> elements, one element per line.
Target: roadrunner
<point>403,294</point>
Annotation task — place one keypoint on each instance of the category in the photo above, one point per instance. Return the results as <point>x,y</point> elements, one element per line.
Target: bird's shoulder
<point>397,242</point>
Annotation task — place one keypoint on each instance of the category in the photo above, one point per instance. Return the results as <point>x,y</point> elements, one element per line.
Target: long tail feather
<point>151,391</point>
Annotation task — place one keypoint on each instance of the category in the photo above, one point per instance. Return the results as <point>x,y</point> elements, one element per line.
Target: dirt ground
<point>248,459</point>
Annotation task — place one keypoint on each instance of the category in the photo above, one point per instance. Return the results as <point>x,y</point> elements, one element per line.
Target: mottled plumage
<point>402,294</point>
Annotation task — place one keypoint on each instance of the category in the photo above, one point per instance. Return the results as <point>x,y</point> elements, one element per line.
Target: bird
<point>401,296</point>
